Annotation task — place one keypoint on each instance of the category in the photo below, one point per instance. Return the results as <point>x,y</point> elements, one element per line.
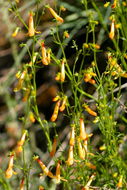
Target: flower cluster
<point>81,140</point>
<point>88,76</point>
<point>9,171</point>
<point>59,106</point>
<point>115,68</point>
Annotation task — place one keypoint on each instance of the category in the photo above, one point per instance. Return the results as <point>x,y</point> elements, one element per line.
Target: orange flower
<point>41,187</point>
<point>57,176</point>
<point>26,95</point>
<point>85,45</point>
<point>120,183</point>
<point>82,130</point>
<point>62,107</point>
<point>62,8</point>
<point>31,30</point>
<point>58,76</point>
<point>72,136</point>
<point>70,159</point>
<point>9,171</point>
<point>88,76</point>
<point>43,167</point>
<point>112,30</point>
<point>66,34</point>
<point>22,184</point>
<point>114,4</point>
<point>92,81</point>
<point>21,142</point>
<point>91,112</point>
<point>91,165</point>
<point>55,15</point>
<point>56,110</point>
<point>52,153</point>
<point>96,46</point>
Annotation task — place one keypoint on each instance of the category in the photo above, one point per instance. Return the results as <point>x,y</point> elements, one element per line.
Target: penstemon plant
<point>75,158</point>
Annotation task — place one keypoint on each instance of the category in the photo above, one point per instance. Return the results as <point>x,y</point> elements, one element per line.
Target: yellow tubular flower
<point>62,107</point>
<point>72,136</point>
<point>63,71</point>
<point>21,143</point>
<point>20,82</point>
<point>81,150</point>
<point>56,110</point>
<point>70,159</point>
<point>9,171</point>
<point>82,130</point>
<point>55,15</point>
<point>44,168</point>
<point>56,98</point>
<point>112,30</point>
<point>91,112</point>
<point>44,54</point>
<point>31,30</point>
